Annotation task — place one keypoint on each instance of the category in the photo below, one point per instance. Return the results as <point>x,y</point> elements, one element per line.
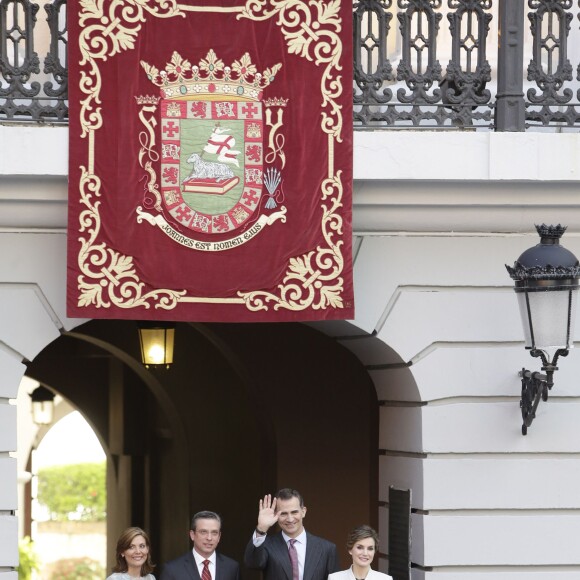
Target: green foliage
<point>74,492</point>
<point>76,569</point>
<point>28,559</point>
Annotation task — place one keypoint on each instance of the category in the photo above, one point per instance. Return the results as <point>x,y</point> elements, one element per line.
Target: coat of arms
<point>212,158</point>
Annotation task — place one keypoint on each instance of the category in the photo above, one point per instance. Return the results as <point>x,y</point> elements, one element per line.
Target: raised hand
<point>267,513</point>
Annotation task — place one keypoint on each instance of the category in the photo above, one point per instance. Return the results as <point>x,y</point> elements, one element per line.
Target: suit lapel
<point>191,567</point>
<point>313,554</point>
<point>280,551</point>
<point>218,566</point>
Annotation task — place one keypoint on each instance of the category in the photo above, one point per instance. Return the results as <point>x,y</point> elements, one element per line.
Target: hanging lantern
<point>156,340</point>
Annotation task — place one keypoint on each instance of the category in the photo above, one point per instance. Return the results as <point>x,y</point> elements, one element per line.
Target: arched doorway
<point>244,410</point>
<point>68,493</point>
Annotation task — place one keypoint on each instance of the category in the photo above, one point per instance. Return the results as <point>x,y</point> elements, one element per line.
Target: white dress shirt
<point>300,546</point>
<point>199,561</point>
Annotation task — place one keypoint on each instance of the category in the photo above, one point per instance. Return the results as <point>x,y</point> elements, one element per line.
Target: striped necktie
<point>293,559</point>
<point>205,574</point>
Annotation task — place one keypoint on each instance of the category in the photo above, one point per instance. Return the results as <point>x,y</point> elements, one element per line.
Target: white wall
<point>32,313</point>
<point>436,215</point>
<point>486,499</point>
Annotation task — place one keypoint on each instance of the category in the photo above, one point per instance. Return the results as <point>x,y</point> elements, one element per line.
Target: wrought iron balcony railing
<point>468,73</point>
<point>26,94</point>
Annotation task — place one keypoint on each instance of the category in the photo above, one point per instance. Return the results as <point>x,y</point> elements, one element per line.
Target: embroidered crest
<point>211,163</point>
<point>212,159</point>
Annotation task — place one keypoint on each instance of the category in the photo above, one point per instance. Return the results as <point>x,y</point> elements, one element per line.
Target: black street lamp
<point>546,281</point>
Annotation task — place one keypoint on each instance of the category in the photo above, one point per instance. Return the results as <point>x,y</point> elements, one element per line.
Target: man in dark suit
<point>292,553</point>
<point>203,562</point>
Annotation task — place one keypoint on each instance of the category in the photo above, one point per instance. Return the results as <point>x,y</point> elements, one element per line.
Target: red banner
<point>210,160</point>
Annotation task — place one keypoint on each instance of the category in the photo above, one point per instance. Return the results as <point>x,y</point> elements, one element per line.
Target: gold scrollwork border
<point>312,31</point>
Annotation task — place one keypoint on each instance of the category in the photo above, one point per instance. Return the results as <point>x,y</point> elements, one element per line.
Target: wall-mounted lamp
<point>42,405</point>
<point>156,340</point>
<point>546,281</point>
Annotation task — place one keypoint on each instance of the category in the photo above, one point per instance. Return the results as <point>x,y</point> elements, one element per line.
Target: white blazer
<point>348,575</point>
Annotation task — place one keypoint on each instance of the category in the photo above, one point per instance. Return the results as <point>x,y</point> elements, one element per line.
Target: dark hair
<point>288,493</point>
<point>124,543</point>
<point>361,533</point>
<point>204,516</point>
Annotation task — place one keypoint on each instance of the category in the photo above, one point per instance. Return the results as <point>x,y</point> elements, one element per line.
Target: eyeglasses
<point>206,533</point>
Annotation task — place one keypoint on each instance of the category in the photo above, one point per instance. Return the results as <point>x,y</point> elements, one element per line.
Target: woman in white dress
<point>133,556</point>
<point>362,544</point>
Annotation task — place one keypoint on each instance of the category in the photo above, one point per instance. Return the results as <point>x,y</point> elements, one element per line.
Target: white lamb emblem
<point>208,169</point>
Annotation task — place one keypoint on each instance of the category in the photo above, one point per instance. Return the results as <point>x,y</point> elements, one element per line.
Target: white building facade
<point>437,214</point>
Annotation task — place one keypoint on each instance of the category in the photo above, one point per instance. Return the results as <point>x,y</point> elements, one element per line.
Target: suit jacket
<point>185,568</point>
<point>272,558</point>
<point>348,575</point>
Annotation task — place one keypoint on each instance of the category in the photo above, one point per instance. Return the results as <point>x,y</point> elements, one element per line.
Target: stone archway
<point>399,401</point>
<point>58,447</point>
<point>30,437</point>
<point>246,410</point>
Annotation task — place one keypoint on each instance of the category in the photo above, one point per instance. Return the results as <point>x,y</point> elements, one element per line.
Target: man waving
<point>292,553</point>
